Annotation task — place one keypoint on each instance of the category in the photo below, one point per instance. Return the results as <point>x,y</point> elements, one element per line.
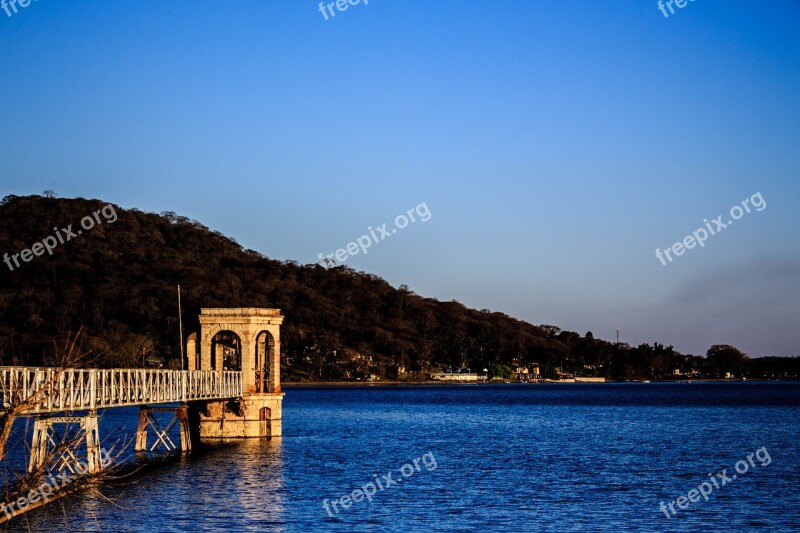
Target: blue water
<point>489,458</point>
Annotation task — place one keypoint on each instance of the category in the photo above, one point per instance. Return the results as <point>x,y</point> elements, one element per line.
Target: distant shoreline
<point>461,384</point>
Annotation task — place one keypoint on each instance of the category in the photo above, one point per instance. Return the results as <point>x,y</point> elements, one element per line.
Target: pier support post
<point>183,420</point>
<point>38,444</point>
<point>46,443</point>
<point>147,420</point>
<point>92,429</point>
<point>141,430</point>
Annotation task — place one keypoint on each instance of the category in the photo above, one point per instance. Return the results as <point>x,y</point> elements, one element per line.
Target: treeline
<point>117,284</point>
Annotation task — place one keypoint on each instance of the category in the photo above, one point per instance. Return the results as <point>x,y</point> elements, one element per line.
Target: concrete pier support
<point>148,421</point>
<point>92,429</point>
<point>254,416</point>
<point>47,444</point>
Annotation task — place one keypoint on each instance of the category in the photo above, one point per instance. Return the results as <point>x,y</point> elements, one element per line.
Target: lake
<point>476,458</point>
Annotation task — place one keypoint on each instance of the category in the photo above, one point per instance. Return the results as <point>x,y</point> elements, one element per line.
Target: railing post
<point>36,389</point>
<point>92,389</point>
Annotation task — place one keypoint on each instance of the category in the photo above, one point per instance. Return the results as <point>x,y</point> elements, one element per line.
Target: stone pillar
<point>191,352</point>
<point>205,354</point>
<point>248,362</point>
<point>275,366</point>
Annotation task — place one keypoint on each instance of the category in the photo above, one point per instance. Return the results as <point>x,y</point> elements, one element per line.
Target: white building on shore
<point>457,374</point>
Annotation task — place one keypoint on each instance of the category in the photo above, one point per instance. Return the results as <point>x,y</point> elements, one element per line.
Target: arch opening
<point>265,346</point>
<point>226,350</point>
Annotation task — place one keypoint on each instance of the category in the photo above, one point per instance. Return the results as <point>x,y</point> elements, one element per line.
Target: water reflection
<point>258,481</point>
<point>225,483</point>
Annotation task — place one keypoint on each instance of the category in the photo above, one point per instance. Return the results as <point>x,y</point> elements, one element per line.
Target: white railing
<point>68,389</point>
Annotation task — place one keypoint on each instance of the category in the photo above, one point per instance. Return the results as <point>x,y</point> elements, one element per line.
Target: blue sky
<point>557,145</point>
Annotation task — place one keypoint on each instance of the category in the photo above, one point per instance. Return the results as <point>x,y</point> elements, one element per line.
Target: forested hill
<point>117,281</point>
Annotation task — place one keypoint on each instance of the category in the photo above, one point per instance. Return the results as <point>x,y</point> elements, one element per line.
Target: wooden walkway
<point>56,390</point>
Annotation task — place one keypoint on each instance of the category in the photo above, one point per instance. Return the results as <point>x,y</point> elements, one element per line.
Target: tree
<point>550,331</point>
<point>724,358</point>
<point>501,371</point>
<point>548,372</point>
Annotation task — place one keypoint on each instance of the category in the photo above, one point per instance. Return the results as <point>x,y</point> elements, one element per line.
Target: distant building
<point>531,373</point>
<point>455,374</point>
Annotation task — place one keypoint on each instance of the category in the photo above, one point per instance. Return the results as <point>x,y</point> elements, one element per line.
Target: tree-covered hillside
<point>117,281</point>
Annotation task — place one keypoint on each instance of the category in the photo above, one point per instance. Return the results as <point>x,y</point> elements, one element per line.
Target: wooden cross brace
<point>48,444</point>
<point>147,421</point>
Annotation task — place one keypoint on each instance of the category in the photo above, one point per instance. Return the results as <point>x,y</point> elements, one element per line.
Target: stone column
<point>275,364</point>
<point>191,352</point>
<point>205,352</point>
<point>248,361</point>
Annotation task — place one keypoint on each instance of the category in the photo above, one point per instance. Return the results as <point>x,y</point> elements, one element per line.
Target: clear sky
<point>556,144</point>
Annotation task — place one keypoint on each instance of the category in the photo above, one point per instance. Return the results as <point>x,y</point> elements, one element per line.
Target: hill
<point>116,279</point>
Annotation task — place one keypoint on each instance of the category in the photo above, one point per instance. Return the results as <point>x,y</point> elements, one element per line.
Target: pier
<point>231,389</point>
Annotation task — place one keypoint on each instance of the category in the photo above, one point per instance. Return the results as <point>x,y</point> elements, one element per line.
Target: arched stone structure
<point>253,326</point>
<point>258,338</point>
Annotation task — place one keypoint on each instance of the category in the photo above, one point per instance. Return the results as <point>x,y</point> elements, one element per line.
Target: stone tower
<point>247,340</point>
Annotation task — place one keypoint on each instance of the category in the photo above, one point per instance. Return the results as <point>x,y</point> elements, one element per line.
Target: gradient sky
<point>557,145</point>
